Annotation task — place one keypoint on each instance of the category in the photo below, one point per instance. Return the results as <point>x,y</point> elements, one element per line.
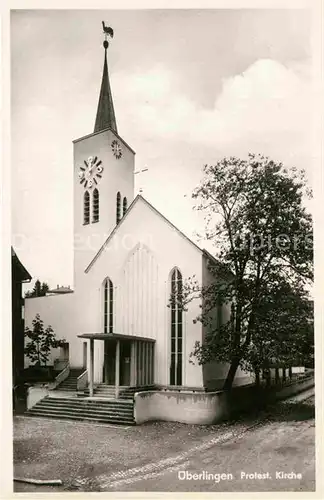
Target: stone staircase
<point>108,391</point>
<point>94,410</point>
<point>70,383</point>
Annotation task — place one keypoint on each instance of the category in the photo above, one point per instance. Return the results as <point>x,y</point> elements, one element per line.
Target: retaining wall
<point>210,407</point>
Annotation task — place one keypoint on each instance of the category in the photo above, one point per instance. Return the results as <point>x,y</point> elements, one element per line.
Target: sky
<point>189,87</point>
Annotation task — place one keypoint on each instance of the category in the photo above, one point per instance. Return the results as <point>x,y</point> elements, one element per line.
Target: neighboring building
<point>19,275</point>
<point>127,259</point>
<point>59,290</point>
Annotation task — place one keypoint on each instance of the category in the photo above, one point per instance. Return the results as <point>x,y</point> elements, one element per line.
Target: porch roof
<point>112,336</point>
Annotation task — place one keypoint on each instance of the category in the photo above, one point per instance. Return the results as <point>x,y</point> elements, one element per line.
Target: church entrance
<point>125,353</point>
<point>109,369</point>
<point>128,360</point>
<point>110,362</point>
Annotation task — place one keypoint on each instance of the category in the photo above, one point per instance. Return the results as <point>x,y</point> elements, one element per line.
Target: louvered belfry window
<point>86,208</point>
<point>95,206</point>
<point>118,207</point>
<point>124,205</point>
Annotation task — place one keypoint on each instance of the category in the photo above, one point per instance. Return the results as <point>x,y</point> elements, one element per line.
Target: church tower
<point>103,178</point>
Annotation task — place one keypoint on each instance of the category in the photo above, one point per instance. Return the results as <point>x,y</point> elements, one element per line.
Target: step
<point>85,401</point>
<point>86,409</point>
<point>66,388</point>
<point>104,391</point>
<point>109,397</point>
<point>85,404</point>
<point>84,413</point>
<point>81,418</point>
<point>108,390</point>
<point>90,407</point>
<point>99,408</point>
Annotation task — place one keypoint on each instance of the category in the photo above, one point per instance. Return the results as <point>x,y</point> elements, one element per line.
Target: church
<point>120,327</point>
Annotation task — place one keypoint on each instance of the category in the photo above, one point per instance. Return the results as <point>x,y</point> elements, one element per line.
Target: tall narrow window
<point>176,329</point>
<point>86,208</point>
<point>95,206</point>
<point>108,306</point>
<point>118,207</point>
<point>124,205</point>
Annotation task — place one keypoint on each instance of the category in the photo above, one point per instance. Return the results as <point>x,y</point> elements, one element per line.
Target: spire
<point>105,113</point>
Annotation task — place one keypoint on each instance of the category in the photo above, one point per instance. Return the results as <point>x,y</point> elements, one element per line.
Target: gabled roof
<point>105,130</point>
<point>135,201</point>
<point>19,272</point>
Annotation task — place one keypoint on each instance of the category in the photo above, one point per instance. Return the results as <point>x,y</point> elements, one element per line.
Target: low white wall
<point>185,407</point>
<point>35,394</point>
<point>211,407</point>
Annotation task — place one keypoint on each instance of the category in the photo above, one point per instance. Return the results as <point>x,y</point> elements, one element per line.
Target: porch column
<point>105,362</point>
<point>152,365</point>
<point>91,371</point>
<point>133,363</point>
<point>139,363</point>
<point>142,362</point>
<point>147,363</point>
<point>117,369</point>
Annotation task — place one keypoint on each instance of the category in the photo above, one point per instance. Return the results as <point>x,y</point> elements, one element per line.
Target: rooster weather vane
<point>107,32</point>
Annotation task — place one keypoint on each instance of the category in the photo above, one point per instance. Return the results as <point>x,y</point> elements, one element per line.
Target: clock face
<point>116,149</point>
<point>91,172</point>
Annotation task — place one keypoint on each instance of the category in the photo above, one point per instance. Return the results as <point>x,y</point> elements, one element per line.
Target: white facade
<point>138,261</point>
<point>137,255</point>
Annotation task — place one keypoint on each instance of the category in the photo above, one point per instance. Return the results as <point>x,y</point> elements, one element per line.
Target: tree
<point>262,236</point>
<point>284,331</point>
<point>39,290</point>
<point>41,341</point>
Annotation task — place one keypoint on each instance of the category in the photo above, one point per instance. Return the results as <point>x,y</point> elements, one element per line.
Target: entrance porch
<point>128,360</point>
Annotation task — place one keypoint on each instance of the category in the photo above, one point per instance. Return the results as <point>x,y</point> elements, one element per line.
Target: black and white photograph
<point>162,173</point>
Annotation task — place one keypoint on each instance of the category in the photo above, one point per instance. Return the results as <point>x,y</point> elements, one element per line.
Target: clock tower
<point>103,179</point>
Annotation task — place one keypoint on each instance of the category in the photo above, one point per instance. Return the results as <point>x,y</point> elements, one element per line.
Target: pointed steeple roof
<point>105,113</point>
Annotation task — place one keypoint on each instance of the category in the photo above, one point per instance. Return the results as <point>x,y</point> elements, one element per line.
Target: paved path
<point>252,461</point>
<point>164,456</point>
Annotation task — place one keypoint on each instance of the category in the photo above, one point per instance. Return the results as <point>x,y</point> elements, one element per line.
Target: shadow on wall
<point>214,376</point>
<point>211,407</point>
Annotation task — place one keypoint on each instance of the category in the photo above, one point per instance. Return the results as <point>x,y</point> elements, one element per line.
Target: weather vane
<point>107,32</point>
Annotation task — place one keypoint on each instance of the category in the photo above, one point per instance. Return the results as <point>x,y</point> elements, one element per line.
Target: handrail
<point>82,381</point>
<point>60,377</point>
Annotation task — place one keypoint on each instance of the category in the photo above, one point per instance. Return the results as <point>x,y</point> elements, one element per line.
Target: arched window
<point>108,306</point>
<point>176,329</point>
<point>118,207</point>
<point>124,205</point>
<point>95,205</point>
<point>86,208</point>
